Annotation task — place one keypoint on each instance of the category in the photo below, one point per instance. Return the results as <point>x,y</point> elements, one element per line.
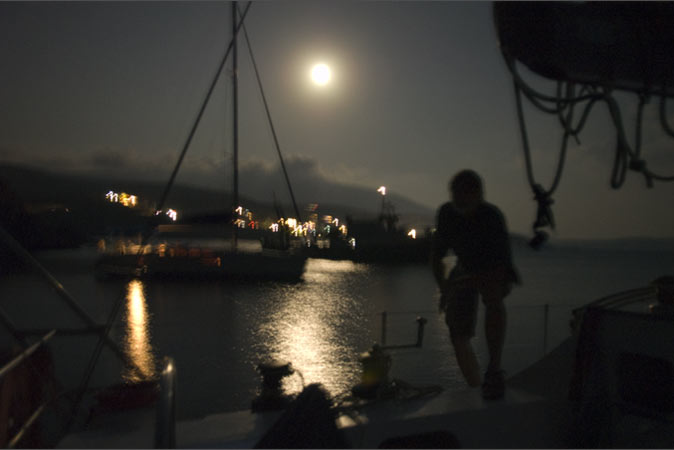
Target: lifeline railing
<point>623,298</point>
<point>13,364</point>
<point>421,322</point>
<point>572,315</point>
<point>92,327</point>
<point>69,300</point>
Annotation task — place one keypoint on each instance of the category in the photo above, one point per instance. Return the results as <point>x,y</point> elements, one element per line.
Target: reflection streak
<point>305,328</point>
<point>137,341</point>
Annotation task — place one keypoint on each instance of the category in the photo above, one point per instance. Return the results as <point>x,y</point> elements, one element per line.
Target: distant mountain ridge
<point>40,186</point>
<point>85,196</point>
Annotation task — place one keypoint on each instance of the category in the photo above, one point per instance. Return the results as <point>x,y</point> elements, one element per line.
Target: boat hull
<point>267,265</point>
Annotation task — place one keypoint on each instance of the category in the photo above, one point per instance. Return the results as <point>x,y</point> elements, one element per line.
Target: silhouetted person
<point>476,231</point>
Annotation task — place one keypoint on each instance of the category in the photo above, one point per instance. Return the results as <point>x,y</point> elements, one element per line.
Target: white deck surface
<point>515,421</point>
<point>520,420</point>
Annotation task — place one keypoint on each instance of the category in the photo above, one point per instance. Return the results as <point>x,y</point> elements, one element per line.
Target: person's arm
<point>438,251</point>
<point>439,247</point>
<point>501,248</point>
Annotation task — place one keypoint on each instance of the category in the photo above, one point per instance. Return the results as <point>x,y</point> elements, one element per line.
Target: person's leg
<point>493,290</point>
<point>461,316</point>
<point>495,331</point>
<point>467,360</point>
<point>494,287</point>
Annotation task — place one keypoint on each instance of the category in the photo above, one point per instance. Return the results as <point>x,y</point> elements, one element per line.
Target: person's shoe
<point>493,387</point>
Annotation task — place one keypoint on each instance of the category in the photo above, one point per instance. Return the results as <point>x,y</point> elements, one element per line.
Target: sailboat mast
<point>235,125</point>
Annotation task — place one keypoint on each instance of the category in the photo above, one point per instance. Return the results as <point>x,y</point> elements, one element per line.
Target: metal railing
<point>63,294</point>
<point>69,300</point>
<point>544,332</point>
<point>25,354</point>
<point>13,364</point>
<point>421,323</point>
<point>533,330</point>
<point>622,299</point>
<point>165,425</point>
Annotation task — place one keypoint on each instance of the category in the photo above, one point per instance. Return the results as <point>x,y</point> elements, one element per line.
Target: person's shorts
<point>460,299</point>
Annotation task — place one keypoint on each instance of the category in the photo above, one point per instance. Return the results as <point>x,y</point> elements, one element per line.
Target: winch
<point>271,396</point>
<point>376,364</point>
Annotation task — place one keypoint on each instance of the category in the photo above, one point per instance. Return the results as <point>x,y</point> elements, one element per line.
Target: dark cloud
<point>111,159</point>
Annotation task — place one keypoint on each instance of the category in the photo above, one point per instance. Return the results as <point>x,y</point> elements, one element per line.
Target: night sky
<point>418,91</point>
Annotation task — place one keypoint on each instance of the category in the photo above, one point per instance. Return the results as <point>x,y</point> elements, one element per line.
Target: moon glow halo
<point>320,74</point>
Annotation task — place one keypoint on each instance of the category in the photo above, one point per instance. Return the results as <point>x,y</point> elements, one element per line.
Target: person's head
<point>466,191</point>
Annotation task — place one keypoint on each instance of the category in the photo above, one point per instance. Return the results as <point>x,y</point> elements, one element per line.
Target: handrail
<point>421,323</point>
<point>19,251</point>
<point>61,331</point>
<point>14,363</point>
<point>384,324</point>
<point>622,298</point>
<point>165,424</point>
<point>33,417</point>
<point>25,354</point>
<point>613,301</point>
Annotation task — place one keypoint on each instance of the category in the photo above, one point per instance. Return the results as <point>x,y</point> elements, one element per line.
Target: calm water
<point>218,332</point>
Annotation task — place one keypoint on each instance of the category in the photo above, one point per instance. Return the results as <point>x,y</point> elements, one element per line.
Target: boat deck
<point>524,418</point>
<point>519,420</point>
<point>535,413</point>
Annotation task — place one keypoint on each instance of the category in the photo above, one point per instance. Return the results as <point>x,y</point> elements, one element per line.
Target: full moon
<point>320,74</point>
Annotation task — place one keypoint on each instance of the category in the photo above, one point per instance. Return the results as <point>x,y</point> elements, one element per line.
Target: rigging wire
<point>563,104</point>
<point>271,123</point>
<point>169,185</point>
<point>227,151</point>
<point>235,120</point>
<point>146,235</point>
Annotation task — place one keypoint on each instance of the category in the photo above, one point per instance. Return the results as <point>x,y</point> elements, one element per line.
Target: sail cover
<point>619,45</point>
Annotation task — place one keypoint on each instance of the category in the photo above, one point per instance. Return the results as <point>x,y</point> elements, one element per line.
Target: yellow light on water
<point>137,341</point>
<point>304,328</point>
